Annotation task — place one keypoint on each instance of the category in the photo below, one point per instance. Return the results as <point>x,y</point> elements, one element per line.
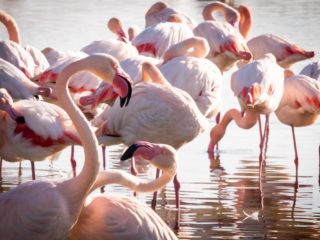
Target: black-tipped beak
<point>129,152</point>
<point>124,101</point>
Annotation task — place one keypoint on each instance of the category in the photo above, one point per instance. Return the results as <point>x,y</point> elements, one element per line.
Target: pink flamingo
<point>158,113</point>
<point>185,67</point>
<point>120,48</point>
<point>227,45</point>
<point>18,85</point>
<point>103,216</point>
<point>286,52</point>
<point>49,209</point>
<point>28,59</point>
<point>160,12</point>
<point>156,39</point>
<point>299,106</point>
<point>312,70</point>
<point>258,87</point>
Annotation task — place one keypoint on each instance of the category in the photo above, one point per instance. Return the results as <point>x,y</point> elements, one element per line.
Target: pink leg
<point>103,148</point>
<point>154,199</point>
<point>0,168</point>
<point>73,162</point>
<point>217,122</point>
<point>319,167</point>
<point>33,170</point>
<point>260,128</point>
<point>177,186</point>
<point>134,171</point>
<point>296,159</point>
<point>20,170</point>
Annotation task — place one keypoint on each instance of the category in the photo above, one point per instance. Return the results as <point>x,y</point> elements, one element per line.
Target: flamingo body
<point>312,70</point>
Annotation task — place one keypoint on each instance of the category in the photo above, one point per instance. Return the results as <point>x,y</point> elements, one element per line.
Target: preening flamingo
<point>300,105</point>
<point>160,12</point>
<point>258,87</point>
<point>286,52</point>
<point>49,209</point>
<point>18,85</point>
<point>185,67</point>
<point>227,45</point>
<point>120,48</point>
<point>156,39</point>
<point>158,113</point>
<point>312,70</point>
<point>28,59</point>
<point>112,217</point>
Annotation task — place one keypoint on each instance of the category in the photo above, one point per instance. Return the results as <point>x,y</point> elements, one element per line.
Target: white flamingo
<point>111,217</point>
<point>49,209</point>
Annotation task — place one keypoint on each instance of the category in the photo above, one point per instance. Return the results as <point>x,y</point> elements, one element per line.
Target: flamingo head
<point>122,85</point>
<point>6,104</point>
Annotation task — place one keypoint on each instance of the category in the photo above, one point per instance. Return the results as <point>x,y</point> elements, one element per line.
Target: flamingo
<point>300,105</point>
<point>49,209</point>
<point>18,85</point>
<point>120,48</point>
<point>158,113</point>
<point>258,87</point>
<point>115,217</point>
<point>286,52</point>
<point>312,70</point>
<point>227,45</point>
<point>155,40</point>
<point>160,12</point>
<point>28,59</point>
<point>190,71</point>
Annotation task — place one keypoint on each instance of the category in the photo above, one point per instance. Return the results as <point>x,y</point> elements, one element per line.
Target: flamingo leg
<point>20,170</point>
<point>155,194</point>
<point>296,159</point>
<point>134,171</point>
<point>218,117</point>
<point>33,170</point>
<point>0,168</point>
<point>260,128</point>
<point>103,149</point>
<point>319,167</point>
<point>263,141</point>
<point>177,186</point>
<point>73,162</point>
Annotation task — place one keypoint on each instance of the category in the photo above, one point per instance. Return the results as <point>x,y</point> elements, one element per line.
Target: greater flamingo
<point>160,12</point>
<point>286,52</point>
<point>312,70</point>
<point>49,209</point>
<point>299,106</point>
<point>158,113</point>
<point>185,67</point>
<point>111,217</point>
<point>120,48</point>
<point>258,87</point>
<point>155,40</point>
<point>227,45</point>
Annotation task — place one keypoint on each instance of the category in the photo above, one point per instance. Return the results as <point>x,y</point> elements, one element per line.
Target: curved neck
<point>245,22</point>
<point>230,14</point>
<point>153,74</point>
<point>11,26</point>
<point>195,47</point>
<point>246,121</point>
<point>130,181</point>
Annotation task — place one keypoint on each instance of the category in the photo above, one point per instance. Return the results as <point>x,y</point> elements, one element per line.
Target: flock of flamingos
<point>153,90</point>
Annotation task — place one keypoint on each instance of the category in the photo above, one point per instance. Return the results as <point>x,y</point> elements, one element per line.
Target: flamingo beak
<point>123,86</point>
<point>143,149</point>
<point>129,152</point>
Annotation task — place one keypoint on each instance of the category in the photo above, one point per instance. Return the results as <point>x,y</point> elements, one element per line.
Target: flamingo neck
<point>248,120</point>
<point>132,182</point>
<point>245,22</point>
<point>11,26</point>
<point>230,14</point>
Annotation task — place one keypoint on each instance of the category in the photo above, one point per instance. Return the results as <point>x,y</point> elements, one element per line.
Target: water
<point>221,198</point>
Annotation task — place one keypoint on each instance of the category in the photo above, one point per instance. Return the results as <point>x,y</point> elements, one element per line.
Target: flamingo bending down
<point>160,12</point>
<point>186,68</point>
<point>158,113</point>
<point>18,85</point>
<point>227,45</point>
<point>300,105</point>
<point>49,209</point>
<point>312,70</point>
<point>110,217</point>
<point>286,52</point>
<point>258,87</point>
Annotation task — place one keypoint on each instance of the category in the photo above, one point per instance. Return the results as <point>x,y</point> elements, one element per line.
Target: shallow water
<point>222,198</point>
